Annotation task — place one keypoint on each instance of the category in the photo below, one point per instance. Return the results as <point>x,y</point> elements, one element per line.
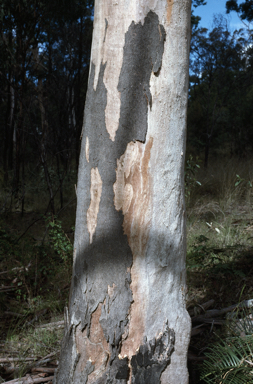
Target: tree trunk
<point>8,137</point>
<point>127,321</point>
<point>43,143</point>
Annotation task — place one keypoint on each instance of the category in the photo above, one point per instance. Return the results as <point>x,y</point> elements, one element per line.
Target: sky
<point>212,7</point>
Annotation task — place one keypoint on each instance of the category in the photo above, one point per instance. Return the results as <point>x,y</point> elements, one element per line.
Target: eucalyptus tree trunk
<point>127,321</point>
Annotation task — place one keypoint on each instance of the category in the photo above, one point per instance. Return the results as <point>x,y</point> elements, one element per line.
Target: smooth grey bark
<point>127,321</point>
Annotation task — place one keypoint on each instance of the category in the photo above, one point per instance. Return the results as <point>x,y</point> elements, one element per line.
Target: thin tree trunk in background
<point>9,121</point>
<point>18,136</point>
<point>43,144</point>
<point>127,321</point>
<point>12,129</point>
<point>8,137</point>
<point>17,147</point>
<point>60,179</point>
<point>23,189</point>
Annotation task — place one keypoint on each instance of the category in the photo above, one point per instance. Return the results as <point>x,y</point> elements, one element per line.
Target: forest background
<point>44,66</point>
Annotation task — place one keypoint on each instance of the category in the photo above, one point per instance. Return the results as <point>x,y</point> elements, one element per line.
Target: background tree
<point>220,72</point>
<point>127,316</point>
<point>244,9</point>
<point>44,54</point>
<point>196,19</point>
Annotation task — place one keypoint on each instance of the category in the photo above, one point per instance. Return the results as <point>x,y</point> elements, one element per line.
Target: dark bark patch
<point>152,358</point>
<point>106,26</point>
<point>143,51</point>
<point>111,317</point>
<point>118,373</point>
<point>122,369</point>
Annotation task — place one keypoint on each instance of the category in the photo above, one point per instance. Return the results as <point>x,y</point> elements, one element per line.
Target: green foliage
<point>43,341</point>
<point>7,244</point>
<point>59,240</point>
<point>198,252</point>
<point>229,361</point>
<point>35,269</point>
<point>240,180</point>
<point>203,255</point>
<point>30,341</point>
<point>191,169</point>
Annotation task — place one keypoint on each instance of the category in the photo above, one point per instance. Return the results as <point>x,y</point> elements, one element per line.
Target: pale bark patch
<point>123,193</point>
<point>132,194</point>
<point>94,348</point>
<point>111,290</point>
<point>137,218</point>
<point>95,194</point>
<point>87,150</point>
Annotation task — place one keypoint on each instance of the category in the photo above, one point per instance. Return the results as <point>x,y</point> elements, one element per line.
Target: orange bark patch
<point>95,348</point>
<point>133,175</point>
<point>169,9</point>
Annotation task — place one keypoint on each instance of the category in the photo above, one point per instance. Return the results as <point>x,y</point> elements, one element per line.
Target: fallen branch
<point>38,380</point>
<point>6,287</point>
<point>15,381</point>
<point>57,324</point>
<point>17,269</point>
<point>219,312</point>
<point>204,306</point>
<point>213,321</point>
<point>13,359</point>
<point>9,289</point>
<point>43,370</point>
<point>29,380</point>
<point>196,330</point>
<point>16,370</point>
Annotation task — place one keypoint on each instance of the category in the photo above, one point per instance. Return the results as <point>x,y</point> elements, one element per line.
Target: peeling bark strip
<point>133,175</point>
<point>128,273</point>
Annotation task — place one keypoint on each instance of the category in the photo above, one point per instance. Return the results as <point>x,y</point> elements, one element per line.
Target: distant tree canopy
<point>44,60</point>
<point>245,9</point>
<point>220,111</point>
<point>196,19</point>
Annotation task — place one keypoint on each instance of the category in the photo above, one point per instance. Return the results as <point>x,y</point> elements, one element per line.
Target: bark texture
<point>127,321</point>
